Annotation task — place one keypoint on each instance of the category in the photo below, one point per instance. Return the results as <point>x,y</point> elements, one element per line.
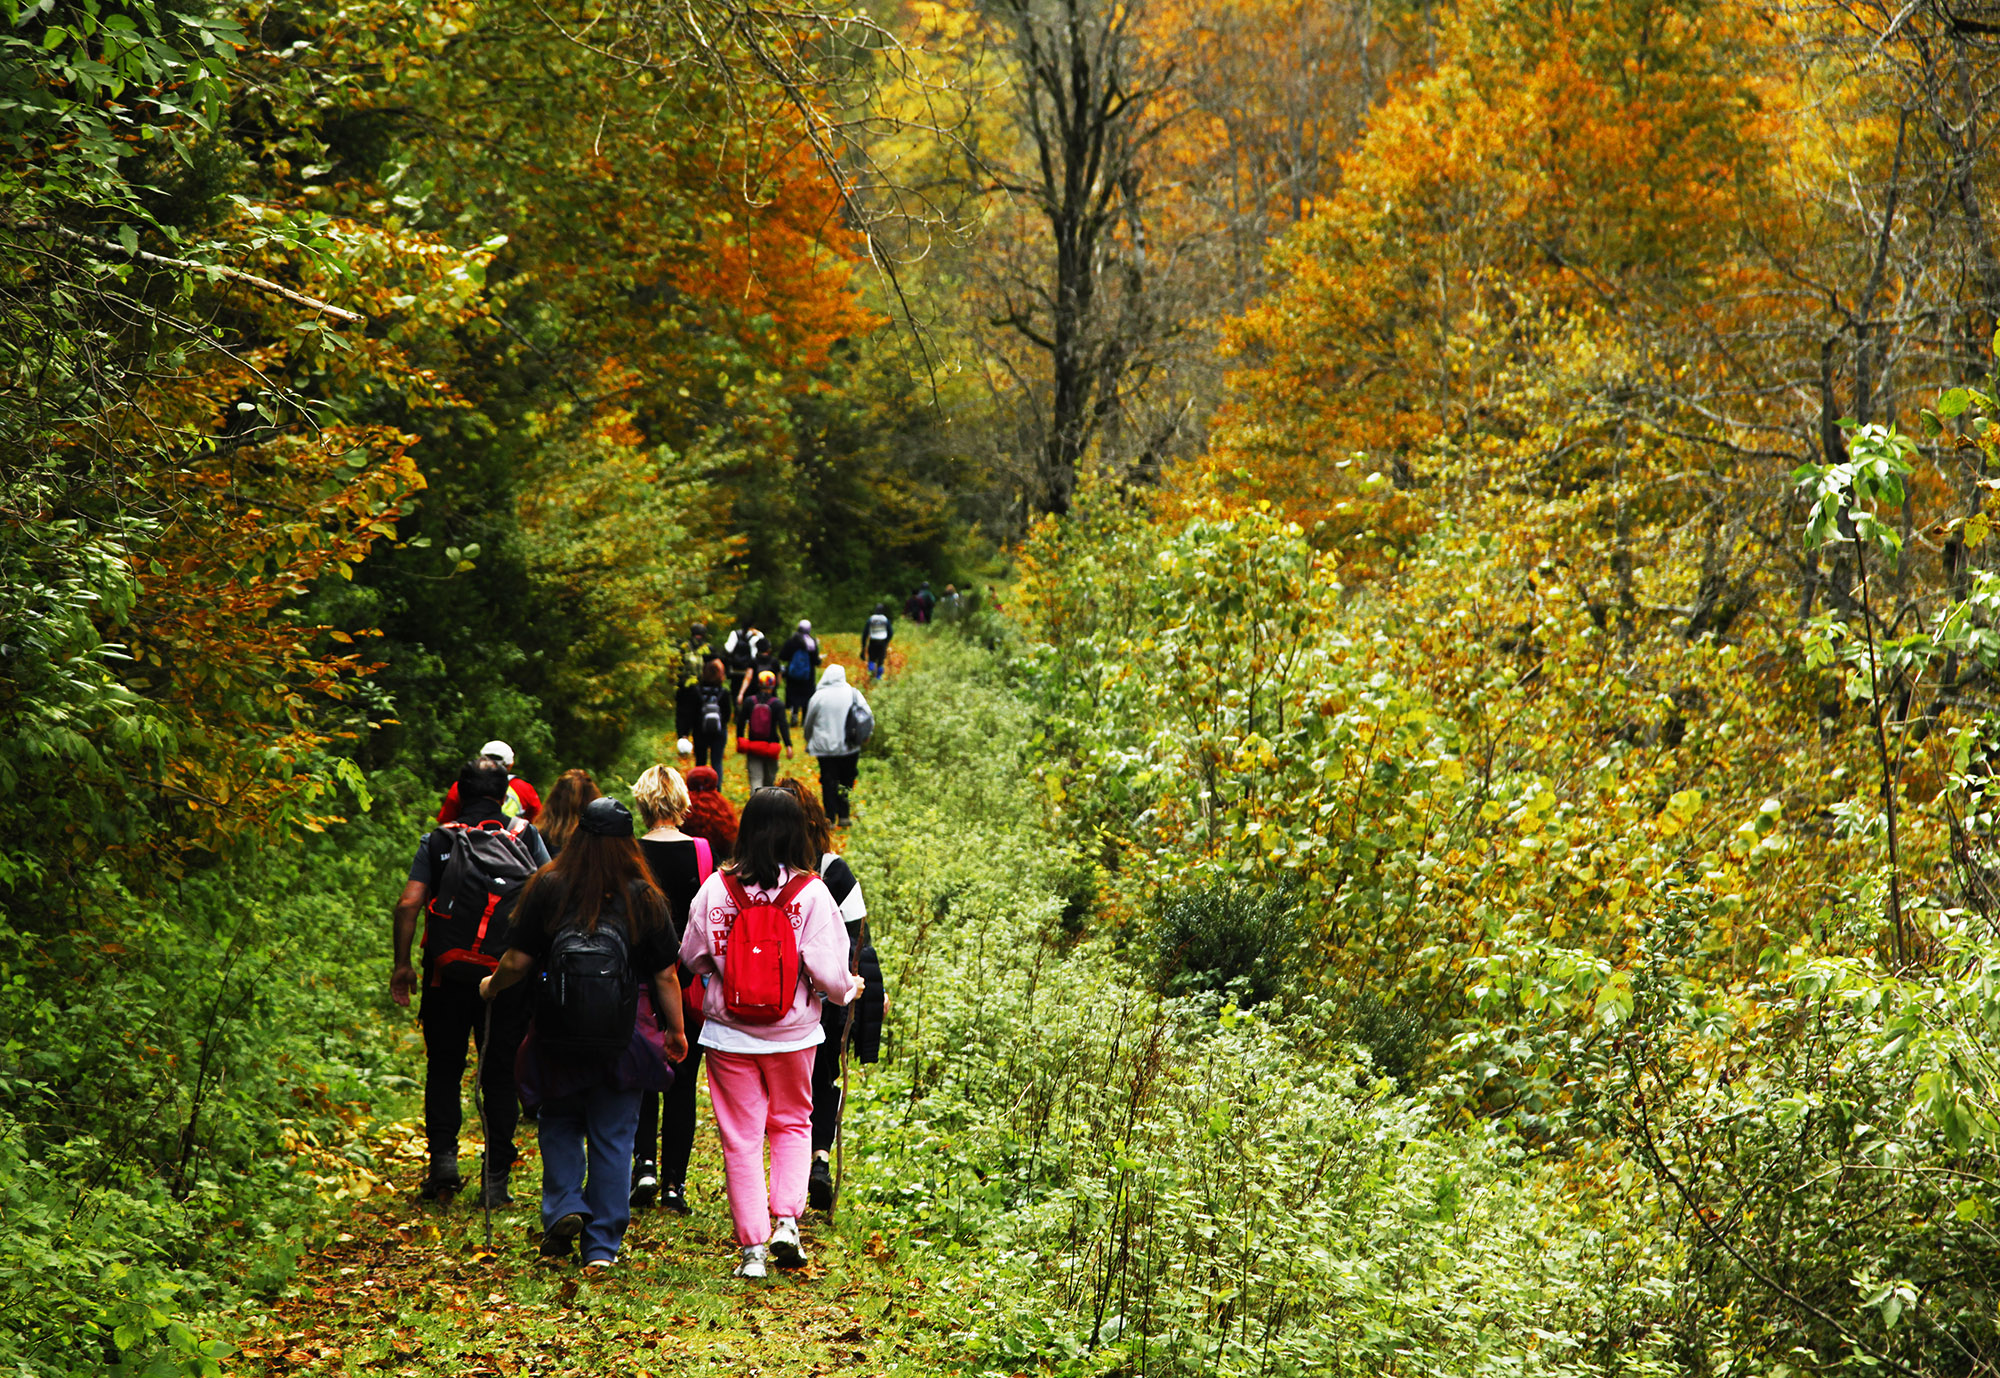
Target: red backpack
<point>760,967</point>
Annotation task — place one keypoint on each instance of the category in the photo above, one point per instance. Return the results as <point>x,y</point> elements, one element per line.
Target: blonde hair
<point>662,797</point>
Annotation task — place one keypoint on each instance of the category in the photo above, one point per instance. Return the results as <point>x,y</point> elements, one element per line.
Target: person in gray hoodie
<point>826,733</point>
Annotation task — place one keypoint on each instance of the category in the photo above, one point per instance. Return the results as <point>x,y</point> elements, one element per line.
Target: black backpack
<point>465,930</point>
<point>589,999</point>
<point>711,711</point>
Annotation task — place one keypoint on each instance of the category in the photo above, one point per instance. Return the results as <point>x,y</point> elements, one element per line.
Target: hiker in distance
<point>766,933</point>
<point>876,634</point>
<point>522,800</point>
<point>765,730</point>
<point>713,705</point>
<point>465,879</point>
<point>595,929</point>
<point>799,657</point>
<point>838,725</point>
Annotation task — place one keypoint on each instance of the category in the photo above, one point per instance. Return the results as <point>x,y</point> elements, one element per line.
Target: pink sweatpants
<point>759,1096</point>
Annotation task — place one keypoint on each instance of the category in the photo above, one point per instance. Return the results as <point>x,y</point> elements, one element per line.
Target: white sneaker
<point>752,1265</point>
<point>786,1251</point>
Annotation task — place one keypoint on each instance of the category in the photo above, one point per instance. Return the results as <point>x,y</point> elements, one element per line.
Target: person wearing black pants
<point>451,1011</point>
<point>450,1015</point>
<point>713,700</point>
<point>826,738</point>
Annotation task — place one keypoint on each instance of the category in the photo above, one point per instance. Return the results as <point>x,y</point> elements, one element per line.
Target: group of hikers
<point>594,963</point>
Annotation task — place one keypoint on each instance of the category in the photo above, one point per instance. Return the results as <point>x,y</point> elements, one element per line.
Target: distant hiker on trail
<point>741,652</point>
<point>679,864</point>
<point>465,879</point>
<point>864,1041</point>
<point>838,725</point>
<point>924,601</point>
<point>521,802</point>
<point>766,933</point>
<point>699,644</point>
<point>875,636</point>
<point>710,814</point>
<point>687,697</point>
<point>713,707</point>
<point>766,729</point>
<point>799,657</point>
<point>595,929</point>
<point>565,807</point>
<point>951,607</point>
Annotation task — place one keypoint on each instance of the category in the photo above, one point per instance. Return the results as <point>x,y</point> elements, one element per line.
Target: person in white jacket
<point>827,740</point>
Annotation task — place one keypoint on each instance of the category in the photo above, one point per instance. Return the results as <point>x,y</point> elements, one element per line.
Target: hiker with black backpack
<point>465,879</point>
<point>711,725</point>
<point>800,658</point>
<point>766,731</point>
<point>767,934</point>
<point>597,933</point>
<point>838,724</point>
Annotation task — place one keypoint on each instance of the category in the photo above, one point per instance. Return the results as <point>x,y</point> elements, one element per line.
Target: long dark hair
<point>564,806</point>
<point>772,835</point>
<point>590,872</point>
<point>817,828</point>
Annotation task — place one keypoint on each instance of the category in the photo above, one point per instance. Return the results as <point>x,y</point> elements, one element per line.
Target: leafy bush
<point>180,1083</point>
<point>1227,939</point>
<point>1110,1181</point>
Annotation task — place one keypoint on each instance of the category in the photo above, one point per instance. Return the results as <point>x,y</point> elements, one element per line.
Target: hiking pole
<point>846,1035</point>
<point>485,1138</point>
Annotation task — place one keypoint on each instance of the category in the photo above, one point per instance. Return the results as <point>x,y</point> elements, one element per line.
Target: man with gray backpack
<point>838,724</point>
<point>464,880</point>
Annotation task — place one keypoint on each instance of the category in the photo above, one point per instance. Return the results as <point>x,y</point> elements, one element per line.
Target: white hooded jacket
<point>826,715</point>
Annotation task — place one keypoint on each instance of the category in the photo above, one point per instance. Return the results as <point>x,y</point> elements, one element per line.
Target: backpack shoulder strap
<point>736,891</point>
<point>704,859</point>
<point>798,882</point>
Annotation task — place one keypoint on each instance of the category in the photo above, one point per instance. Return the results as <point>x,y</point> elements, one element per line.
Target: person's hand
<point>886,1002</point>
<point>860,985</point>
<point>677,1046</point>
<point>402,982</point>
<point>486,988</point>
<point>788,753</point>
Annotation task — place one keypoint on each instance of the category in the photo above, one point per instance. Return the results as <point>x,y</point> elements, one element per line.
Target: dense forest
<point>1457,831</point>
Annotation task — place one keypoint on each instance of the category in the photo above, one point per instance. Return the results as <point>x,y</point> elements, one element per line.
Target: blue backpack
<point>800,666</point>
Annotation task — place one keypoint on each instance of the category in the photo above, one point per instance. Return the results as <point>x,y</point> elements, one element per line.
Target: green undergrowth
<point>183,1079</point>
<point>1105,1180</point>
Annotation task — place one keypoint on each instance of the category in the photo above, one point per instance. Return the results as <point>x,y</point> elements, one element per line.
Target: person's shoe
<point>785,1248</point>
<point>673,1197</point>
<point>645,1187</point>
<point>494,1193</point>
<point>559,1239</point>
<point>597,1265</point>
<point>819,1186</point>
<point>442,1182</point>
<point>752,1265</point>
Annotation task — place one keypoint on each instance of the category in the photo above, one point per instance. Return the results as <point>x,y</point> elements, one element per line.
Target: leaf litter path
<point>407,1288</point>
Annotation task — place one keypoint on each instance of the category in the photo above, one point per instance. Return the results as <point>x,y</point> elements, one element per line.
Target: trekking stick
<point>846,1035</point>
<point>485,1139</point>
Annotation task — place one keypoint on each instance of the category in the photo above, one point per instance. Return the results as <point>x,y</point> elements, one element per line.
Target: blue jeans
<point>603,1121</point>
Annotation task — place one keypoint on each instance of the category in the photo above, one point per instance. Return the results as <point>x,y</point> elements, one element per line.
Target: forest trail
<point>394,1285</point>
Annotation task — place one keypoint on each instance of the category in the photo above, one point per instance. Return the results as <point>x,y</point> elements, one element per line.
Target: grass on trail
<point>407,1287</point>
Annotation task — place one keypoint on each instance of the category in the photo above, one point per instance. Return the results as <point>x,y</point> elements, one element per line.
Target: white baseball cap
<point>500,752</point>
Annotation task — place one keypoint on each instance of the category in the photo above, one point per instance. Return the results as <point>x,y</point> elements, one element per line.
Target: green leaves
<point>1846,499</point>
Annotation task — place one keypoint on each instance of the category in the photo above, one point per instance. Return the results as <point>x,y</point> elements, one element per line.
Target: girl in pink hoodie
<point>760,1075</point>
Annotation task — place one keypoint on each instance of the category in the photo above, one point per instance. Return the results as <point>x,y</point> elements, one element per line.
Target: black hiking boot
<point>645,1186</point>
<point>819,1186</point>
<point>559,1239</point>
<point>442,1182</point>
<point>493,1191</point>
<point>673,1199</point>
